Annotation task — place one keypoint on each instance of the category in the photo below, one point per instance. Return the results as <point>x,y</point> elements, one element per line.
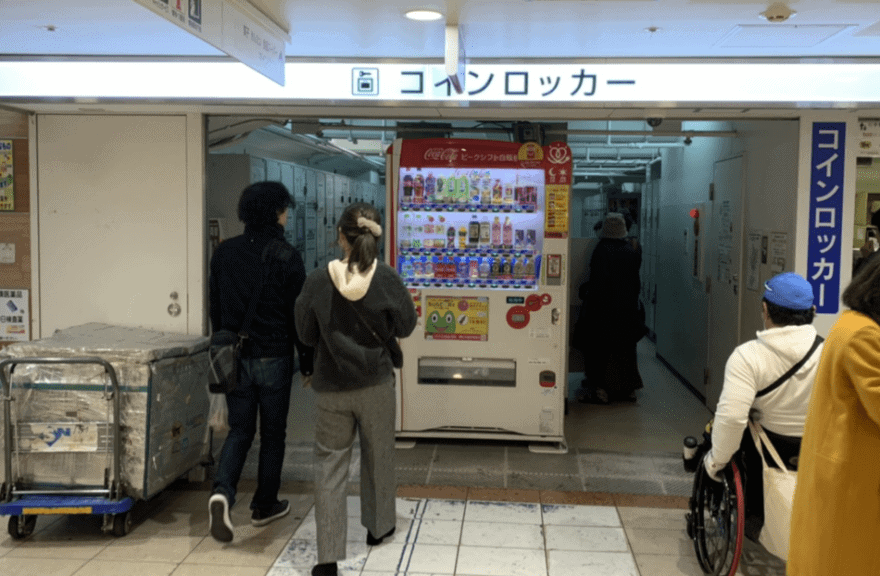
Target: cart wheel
<point>22,526</point>
<point>122,524</point>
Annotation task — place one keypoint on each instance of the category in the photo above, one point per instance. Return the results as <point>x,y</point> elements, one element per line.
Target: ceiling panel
<point>490,28</point>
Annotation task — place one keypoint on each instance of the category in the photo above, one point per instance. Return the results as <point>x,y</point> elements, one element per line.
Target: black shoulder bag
<point>392,345</point>
<point>224,356</point>
<point>791,372</point>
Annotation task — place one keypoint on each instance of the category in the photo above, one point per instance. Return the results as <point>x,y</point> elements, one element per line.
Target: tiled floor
<point>440,531</point>
<point>612,506</point>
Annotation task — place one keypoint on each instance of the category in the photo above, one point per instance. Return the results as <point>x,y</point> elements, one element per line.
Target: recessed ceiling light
<point>424,14</point>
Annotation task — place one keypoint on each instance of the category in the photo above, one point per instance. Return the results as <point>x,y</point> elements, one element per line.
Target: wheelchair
<point>716,516</point>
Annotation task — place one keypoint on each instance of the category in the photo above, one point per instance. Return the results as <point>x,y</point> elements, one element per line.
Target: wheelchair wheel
<point>716,520</point>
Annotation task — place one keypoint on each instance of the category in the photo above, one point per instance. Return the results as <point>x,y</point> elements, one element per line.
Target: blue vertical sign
<point>826,211</point>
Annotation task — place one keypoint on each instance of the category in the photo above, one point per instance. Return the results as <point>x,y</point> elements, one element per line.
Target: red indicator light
<point>695,213</point>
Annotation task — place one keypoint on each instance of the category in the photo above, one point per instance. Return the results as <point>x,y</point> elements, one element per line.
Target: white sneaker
<point>218,518</point>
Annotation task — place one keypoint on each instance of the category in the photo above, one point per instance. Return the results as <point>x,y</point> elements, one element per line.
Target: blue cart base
<point>64,505</point>
<point>23,511</point>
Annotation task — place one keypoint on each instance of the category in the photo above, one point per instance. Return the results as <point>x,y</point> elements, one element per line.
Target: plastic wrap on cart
<point>163,417</point>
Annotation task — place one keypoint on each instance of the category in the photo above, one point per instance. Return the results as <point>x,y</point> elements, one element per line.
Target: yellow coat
<point>835,522</point>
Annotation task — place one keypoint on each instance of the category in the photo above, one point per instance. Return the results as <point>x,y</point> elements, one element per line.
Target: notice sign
<point>14,317</point>
<point>457,318</point>
<point>556,224</point>
<point>234,27</point>
<point>869,139</point>
<point>826,215</point>
<point>7,196</point>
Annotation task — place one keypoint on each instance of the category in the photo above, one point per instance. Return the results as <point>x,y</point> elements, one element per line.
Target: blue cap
<point>789,290</point>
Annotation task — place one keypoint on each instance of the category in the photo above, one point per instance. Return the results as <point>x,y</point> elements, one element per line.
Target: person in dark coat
<point>611,324</point>
<point>267,358</point>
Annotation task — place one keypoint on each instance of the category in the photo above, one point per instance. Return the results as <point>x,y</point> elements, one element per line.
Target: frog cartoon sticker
<point>440,323</point>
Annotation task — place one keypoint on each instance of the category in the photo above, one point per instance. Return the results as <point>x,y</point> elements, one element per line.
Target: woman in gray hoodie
<point>352,313</point>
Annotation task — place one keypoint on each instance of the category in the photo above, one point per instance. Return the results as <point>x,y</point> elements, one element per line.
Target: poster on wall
<point>7,194</point>
<point>778,247</point>
<point>753,261</point>
<point>14,316</point>
<point>869,139</point>
<point>457,318</point>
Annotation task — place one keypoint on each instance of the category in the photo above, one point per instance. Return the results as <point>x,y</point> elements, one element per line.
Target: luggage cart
<point>23,502</point>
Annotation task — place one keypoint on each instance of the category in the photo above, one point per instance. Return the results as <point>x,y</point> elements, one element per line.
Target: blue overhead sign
<point>825,229</point>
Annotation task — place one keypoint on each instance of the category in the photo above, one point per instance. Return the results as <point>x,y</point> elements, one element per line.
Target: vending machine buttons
<point>547,379</point>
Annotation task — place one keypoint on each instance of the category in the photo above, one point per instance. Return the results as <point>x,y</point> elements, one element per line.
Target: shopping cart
<point>23,499</point>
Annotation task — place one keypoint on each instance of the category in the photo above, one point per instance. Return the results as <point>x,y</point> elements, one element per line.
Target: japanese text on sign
<point>456,318</point>
<point>14,316</point>
<point>533,83</point>
<point>7,192</point>
<point>826,209</point>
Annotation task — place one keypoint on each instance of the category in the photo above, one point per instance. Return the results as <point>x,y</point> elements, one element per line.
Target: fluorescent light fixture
<point>424,14</point>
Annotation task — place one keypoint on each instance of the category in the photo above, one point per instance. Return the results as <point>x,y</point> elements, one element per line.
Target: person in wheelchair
<point>768,379</point>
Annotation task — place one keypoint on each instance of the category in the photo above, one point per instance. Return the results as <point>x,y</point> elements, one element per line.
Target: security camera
<point>778,12</point>
<point>688,141</point>
<point>654,122</point>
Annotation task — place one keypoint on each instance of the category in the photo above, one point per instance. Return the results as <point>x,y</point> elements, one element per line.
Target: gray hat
<point>614,226</point>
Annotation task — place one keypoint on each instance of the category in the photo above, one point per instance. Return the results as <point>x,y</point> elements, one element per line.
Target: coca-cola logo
<point>441,154</point>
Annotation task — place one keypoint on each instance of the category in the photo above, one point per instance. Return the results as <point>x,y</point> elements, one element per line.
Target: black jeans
<point>264,388</point>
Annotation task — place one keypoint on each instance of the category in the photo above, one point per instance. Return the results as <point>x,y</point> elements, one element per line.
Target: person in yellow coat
<point>835,522</point>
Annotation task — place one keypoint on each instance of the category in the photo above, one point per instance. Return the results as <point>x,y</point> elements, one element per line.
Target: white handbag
<point>779,486</point>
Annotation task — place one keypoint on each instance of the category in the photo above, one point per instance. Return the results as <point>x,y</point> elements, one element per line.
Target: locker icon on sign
<point>365,81</point>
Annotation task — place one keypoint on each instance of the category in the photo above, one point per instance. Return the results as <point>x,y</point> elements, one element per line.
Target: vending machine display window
<point>470,227</point>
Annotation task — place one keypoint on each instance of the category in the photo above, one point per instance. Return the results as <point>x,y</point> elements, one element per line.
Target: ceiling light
<point>424,14</point>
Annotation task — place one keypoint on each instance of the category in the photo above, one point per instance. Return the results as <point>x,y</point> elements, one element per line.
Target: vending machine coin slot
<point>547,379</point>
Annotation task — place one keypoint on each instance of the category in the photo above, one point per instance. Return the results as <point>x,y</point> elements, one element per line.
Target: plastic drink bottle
<point>508,194</point>
<point>484,268</point>
<point>485,233</point>
<point>496,232</point>
<point>473,233</point>
<point>430,188</point>
<point>508,233</point>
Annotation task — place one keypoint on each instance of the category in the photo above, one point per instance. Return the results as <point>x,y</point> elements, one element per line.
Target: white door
<point>724,271</point>
<point>112,221</point>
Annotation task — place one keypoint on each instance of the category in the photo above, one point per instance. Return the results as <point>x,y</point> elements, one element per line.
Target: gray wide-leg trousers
<point>369,412</point>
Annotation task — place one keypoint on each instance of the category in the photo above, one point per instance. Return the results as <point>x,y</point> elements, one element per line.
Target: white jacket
<point>752,367</point>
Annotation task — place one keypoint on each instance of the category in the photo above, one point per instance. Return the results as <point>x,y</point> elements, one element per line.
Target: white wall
<point>121,225</point>
<point>771,157</point>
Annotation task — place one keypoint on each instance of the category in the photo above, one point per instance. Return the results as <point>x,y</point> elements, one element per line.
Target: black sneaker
<point>218,518</point>
<point>263,517</point>
<point>328,569</point>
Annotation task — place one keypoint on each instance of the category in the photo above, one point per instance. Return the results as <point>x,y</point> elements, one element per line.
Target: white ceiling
<point>491,29</point>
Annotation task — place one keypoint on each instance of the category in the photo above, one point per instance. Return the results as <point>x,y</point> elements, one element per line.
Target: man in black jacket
<point>266,370</point>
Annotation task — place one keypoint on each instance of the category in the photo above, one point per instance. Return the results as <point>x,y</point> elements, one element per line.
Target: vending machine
<point>479,232</point>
